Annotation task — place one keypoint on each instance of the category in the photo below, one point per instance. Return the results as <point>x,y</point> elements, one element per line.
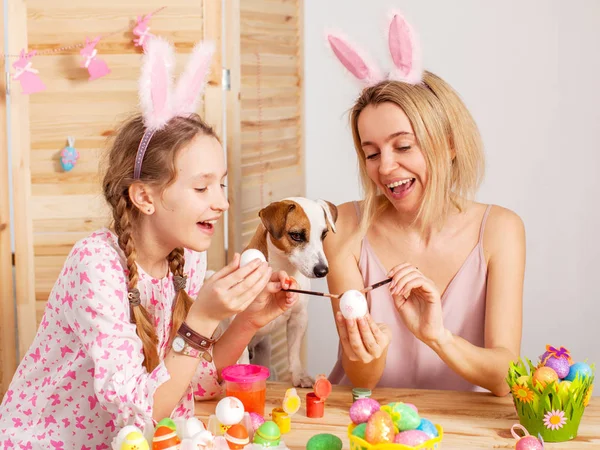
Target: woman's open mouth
<point>400,189</point>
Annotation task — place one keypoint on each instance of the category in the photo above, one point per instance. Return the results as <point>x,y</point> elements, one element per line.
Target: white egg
<point>250,255</point>
<point>230,411</point>
<point>353,304</point>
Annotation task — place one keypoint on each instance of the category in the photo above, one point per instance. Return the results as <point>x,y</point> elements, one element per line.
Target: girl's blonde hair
<point>158,169</point>
<point>446,134</point>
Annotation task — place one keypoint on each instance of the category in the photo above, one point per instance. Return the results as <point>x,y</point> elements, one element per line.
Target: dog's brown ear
<point>274,217</point>
<point>331,213</point>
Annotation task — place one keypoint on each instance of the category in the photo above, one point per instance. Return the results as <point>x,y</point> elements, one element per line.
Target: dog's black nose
<point>320,270</point>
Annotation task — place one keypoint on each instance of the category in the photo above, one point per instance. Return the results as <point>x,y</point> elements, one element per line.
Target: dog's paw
<point>302,379</point>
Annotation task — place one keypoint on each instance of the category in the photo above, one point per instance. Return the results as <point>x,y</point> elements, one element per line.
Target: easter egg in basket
<point>403,416</point>
<point>411,437</point>
<point>559,365</point>
<point>362,409</point>
<point>428,427</point>
<point>579,368</point>
<point>380,428</point>
<point>544,376</point>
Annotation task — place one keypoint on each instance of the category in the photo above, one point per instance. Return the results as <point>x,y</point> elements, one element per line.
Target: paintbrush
<point>323,294</point>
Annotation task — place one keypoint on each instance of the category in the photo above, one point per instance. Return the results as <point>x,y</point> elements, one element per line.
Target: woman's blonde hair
<point>158,169</point>
<point>446,134</point>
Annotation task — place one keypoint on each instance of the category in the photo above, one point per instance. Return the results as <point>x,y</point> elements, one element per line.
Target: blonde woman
<point>451,317</point>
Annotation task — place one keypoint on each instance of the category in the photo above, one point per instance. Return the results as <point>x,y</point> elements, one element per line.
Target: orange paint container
<point>248,383</point>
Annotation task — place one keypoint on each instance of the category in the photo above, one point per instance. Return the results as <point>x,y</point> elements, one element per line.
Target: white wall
<point>530,74</point>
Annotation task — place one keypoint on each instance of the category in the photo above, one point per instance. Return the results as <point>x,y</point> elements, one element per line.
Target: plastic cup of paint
<point>248,383</point>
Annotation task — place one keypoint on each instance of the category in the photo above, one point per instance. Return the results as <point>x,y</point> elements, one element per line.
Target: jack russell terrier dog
<point>290,236</point>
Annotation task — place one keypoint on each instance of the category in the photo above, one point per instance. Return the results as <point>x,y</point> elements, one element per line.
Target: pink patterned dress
<point>82,379</point>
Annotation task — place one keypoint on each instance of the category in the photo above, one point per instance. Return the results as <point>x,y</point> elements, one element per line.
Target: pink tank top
<point>410,363</point>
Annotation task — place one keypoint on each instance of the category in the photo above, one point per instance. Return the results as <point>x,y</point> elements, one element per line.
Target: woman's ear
<point>142,198</point>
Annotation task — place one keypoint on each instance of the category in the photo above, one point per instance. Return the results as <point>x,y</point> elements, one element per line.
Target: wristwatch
<point>189,343</point>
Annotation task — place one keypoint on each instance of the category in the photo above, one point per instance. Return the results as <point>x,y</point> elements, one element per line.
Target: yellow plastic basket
<point>357,443</point>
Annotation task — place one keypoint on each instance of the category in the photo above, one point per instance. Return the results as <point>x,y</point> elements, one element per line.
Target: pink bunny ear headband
<point>404,49</point>
<point>159,105</point>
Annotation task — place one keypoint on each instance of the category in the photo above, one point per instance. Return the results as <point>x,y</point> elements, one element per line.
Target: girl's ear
<point>142,198</point>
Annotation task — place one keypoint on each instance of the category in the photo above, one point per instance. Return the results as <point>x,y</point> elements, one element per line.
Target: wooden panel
<point>8,357</point>
<point>265,119</point>
<point>66,206</point>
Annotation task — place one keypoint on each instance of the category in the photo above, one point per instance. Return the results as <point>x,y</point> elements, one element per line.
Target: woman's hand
<point>230,290</point>
<point>418,303</point>
<point>272,301</point>
<point>362,339</point>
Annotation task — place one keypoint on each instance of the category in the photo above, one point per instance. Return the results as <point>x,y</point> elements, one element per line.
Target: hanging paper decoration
<point>96,67</point>
<point>29,78</point>
<point>142,30</point>
<point>68,155</point>
<point>26,75</point>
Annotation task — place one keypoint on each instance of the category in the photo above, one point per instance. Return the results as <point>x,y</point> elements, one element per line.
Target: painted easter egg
<point>353,304</point>
<point>68,158</point>
<point>544,376</point>
<point>229,411</point>
<point>237,436</point>
<point>268,434</point>
<point>410,405</point>
<point>122,434</point>
<point>560,366</point>
<point>257,420</point>
<point>428,428</point>
<point>324,441</point>
<point>135,441</point>
<point>529,443</point>
<point>250,255</point>
<point>362,409</point>
<point>380,428</point>
<point>165,439</point>
<point>411,437</point>
<point>579,368</point>
<point>167,422</point>
<point>403,416</point>
<point>359,430</point>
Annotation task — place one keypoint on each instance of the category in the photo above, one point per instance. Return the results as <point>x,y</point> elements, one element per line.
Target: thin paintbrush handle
<point>376,285</point>
<point>320,294</point>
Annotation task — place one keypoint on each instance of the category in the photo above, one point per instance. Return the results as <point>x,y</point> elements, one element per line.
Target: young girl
<point>121,341</point>
<point>451,317</point>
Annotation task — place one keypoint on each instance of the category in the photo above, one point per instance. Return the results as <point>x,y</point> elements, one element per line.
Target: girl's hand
<point>272,301</point>
<point>230,290</point>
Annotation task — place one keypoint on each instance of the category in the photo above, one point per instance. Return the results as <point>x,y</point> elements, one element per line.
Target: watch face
<point>178,344</point>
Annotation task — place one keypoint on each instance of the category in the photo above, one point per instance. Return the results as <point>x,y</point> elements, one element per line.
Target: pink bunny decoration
<point>26,75</point>
<point>142,30</point>
<point>159,104</point>
<point>404,49</point>
<point>96,67</point>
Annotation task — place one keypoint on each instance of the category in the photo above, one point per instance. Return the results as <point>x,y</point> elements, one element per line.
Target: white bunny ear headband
<point>158,103</point>
<point>403,47</point>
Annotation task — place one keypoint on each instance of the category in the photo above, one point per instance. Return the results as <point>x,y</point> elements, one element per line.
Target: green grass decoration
<point>541,409</point>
